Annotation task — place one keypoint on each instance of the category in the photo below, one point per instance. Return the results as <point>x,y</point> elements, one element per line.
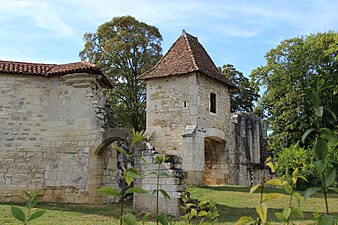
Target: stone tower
<point>188,111</point>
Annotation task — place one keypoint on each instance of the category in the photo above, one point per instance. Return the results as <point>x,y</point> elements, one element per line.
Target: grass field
<point>232,203</point>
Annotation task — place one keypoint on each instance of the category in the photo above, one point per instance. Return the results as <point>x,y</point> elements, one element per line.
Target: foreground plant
<point>323,136</point>
<point>31,213</point>
<point>203,210</point>
<point>129,175</point>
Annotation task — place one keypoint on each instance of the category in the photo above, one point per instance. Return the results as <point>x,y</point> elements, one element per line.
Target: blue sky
<point>232,31</point>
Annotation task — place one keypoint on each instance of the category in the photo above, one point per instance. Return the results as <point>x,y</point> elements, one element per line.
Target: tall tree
<point>124,48</point>
<point>243,97</point>
<point>291,70</point>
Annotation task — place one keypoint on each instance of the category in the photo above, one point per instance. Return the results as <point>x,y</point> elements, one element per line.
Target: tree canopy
<point>124,48</point>
<point>243,97</point>
<point>291,71</point>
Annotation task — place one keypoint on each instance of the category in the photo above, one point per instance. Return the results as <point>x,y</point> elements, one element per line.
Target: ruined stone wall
<point>173,184</point>
<point>46,128</point>
<point>171,106</point>
<point>247,156</point>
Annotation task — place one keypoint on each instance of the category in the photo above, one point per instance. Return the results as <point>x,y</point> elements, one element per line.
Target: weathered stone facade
<point>188,114</point>
<point>47,125</point>
<point>56,130</point>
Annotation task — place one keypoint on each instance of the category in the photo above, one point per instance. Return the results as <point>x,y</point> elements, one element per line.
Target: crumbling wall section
<point>249,151</point>
<point>173,185</point>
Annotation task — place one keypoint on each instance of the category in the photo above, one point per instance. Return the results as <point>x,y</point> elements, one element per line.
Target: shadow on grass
<point>241,189</point>
<point>232,214</point>
<point>110,210</point>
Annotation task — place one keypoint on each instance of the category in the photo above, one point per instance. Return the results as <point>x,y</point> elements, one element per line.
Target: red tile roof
<point>185,55</point>
<point>46,70</point>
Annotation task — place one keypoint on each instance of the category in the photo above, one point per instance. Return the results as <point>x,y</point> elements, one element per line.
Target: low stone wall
<point>173,185</point>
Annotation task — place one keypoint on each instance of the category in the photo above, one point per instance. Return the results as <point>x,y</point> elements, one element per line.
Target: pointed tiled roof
<point>46,70</point>
<point>185,55</point>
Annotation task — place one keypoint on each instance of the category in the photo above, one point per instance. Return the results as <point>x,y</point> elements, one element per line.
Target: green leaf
<point>310,191</point>
<point>18,213</point>
<point>298,197</point>
<point>319,111</point>
<point>138,136</point>
<point>202,203</point>
<point>320,165</point>
<point>295,172</point>
<point>332,114</point>
<point>164,194</point>
<point>130,174</point>
<point>37,214</point>
<point>288,188</point>
<point>193,212</point>
<point>276,182</point>
<point>326,220</point>
<point>109,191</point>
<point>189,205</point>
<point>328,135</point>
<point>321,148</point>
<point>202,213</point>
<point>271,166</point>
<point>120,150</point>
<point>254,188</point>
<point>315,99</point>
<point>159,159</point>
<point>306,133</point>
<point>262,211</point>
<point>271,196</point>
<point>164,174</point>
<point>320,83</point>
<point>286,212</point>
<point>280,216</point>
<point>129,219</point>
<point>163,219</point>
<point>138,190</point>
<point>146,217</point>
<point>297,213</point>
<point>330,176</point>
<point>333,189</point>
<point>245,220</point>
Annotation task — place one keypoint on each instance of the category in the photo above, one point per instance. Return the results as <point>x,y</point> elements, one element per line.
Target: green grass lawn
<point>232,203</point>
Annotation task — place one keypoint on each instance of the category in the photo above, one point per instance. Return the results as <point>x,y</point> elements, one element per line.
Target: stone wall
<point>247,156</point>
<point>171,106</point>
<point>173,184</point>
<point>47,125</point>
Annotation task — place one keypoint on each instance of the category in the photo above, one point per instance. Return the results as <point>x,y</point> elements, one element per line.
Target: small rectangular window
<point>213,102</point>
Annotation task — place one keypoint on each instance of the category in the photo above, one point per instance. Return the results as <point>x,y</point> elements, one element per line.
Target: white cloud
<point>46,15</point>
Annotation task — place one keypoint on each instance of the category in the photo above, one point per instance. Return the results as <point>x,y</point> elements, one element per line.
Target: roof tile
<point>46,70</point>
<point>185,55</point>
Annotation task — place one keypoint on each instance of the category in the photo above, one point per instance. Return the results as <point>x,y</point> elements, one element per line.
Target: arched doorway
<point>214,161</point>
<point>103,160</point>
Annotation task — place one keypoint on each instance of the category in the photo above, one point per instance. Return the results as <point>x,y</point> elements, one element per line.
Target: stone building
<point>56,130</point>
<point>50,116</point>
<point>188,114</point>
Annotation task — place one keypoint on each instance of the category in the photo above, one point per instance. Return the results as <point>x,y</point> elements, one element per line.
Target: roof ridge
<point>189,48</point>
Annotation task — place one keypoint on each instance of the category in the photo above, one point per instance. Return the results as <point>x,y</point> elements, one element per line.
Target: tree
<point>243,97</point>
<point>291,70</point>
<point>124,48</point>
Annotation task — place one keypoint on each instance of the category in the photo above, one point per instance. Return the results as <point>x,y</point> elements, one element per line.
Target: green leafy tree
<point>124,48</point>
<point>243,97</point>
<point>288,77</point>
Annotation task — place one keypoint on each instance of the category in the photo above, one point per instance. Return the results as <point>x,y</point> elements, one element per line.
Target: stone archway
<point>98,152</point>
<point>214,161</point>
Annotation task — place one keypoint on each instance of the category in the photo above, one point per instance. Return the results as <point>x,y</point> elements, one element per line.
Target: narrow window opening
<point>185,104</point>
<point>213,102</point>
